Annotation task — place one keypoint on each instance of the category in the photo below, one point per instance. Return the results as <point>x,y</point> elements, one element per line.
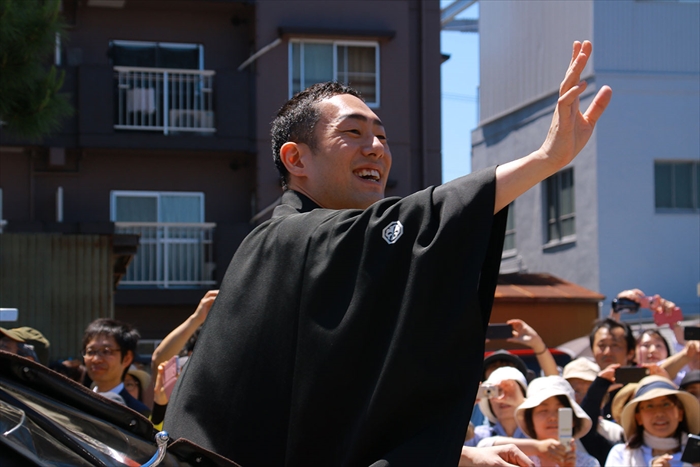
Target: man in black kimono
<point>349,329</point>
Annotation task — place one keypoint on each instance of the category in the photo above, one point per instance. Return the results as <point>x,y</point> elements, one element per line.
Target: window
<point>509,241</point>
<point>677,185</point>
<point>157,55</point>
<point>175,245</point>
<point>355,64</point>
<point>154,206</point>
<point>560,211</point>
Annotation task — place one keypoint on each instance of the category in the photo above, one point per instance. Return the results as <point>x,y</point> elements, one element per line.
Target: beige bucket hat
<point>543,388</point>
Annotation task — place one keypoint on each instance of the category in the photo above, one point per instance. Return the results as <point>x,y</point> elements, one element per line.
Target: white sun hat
<point>501,374</point>
<point>543,388</point>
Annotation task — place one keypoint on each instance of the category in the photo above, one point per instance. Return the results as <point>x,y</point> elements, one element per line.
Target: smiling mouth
<point>368,174</point>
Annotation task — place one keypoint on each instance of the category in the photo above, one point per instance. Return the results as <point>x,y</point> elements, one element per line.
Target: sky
<point>460,82</point>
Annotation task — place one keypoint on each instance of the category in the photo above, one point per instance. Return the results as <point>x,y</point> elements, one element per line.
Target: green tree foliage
<point>30,103</point>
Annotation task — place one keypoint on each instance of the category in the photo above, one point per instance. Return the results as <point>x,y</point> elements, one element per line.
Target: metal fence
<point>164,99</point>
<point>170,254</point>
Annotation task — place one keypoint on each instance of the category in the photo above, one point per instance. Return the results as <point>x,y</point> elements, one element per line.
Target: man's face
<point>350,164</point>
<point>611,347</point>
<point>104,362</point>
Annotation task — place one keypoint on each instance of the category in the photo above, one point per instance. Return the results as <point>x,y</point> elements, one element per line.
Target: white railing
<point>164,99</point>
<point>170,254</point>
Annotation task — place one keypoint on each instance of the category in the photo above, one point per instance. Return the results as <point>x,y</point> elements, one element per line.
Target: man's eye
<point>381,137</point>
<point>354,132</point>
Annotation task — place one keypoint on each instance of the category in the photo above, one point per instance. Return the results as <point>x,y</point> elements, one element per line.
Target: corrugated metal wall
<point>521,60</point>
<point>647,37</point>
<point>59,283</point>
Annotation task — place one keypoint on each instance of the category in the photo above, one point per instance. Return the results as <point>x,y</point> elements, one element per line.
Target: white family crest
<point>392,232</point>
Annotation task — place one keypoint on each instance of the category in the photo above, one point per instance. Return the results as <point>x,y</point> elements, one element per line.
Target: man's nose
<point>374,147</point>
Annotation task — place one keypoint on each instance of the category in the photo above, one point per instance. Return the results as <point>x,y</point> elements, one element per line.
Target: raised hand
<point>570,129</point>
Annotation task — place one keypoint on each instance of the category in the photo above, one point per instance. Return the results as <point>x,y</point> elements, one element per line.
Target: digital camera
<point>625,305</point>
<point>489,391</point>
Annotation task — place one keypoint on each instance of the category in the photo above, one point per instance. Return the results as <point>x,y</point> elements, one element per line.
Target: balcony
<point>164,100</point>
<point>170,255</point>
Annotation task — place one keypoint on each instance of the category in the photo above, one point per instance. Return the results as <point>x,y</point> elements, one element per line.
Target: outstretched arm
<point>176,340</point>
<point>568,134</point>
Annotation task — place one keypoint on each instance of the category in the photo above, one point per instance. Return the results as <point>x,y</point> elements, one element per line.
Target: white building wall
<point>649,53</point>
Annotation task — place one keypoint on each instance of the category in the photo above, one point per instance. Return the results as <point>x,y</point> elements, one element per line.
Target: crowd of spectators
<point>643,423</point>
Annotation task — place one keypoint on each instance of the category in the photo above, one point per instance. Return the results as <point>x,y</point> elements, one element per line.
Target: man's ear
<point>292,156</point>
<point>128,358</point>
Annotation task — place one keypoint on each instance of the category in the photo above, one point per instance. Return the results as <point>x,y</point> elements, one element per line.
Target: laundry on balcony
<point>141,100</point>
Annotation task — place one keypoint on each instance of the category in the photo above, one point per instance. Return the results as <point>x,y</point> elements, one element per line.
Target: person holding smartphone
<point>538,417</point>
<point>657,422</point>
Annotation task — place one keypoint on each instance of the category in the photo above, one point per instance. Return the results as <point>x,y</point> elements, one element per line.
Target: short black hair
<point>610,324</point>
<point>297,119</point>
<point>126,336</point>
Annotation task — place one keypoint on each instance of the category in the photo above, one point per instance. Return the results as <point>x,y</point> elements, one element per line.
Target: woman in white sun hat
<point>509,392</point>
<point>538,418</point>
<point>656,422</point>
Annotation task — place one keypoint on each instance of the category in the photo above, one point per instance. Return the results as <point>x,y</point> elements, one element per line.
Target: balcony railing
<point>170,255</point>
<point>164,99</point>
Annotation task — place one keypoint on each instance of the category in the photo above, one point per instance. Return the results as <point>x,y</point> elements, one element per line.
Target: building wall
<point>515,136</point>
<point>650,56</point>
<point>649,53</point>
<point>409,66</point>
<point>525,48</point>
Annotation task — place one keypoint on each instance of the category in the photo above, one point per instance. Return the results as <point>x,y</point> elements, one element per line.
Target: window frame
<point>694,187</point>
<point>559,217</point>
<point>114,194</point>
<point>335,44</point>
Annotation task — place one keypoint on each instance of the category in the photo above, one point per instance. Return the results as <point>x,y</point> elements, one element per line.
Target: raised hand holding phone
<point>171,371</point>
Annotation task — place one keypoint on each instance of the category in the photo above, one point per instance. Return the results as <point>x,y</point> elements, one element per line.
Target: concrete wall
<point>650,56</point>
<point>649,53</point>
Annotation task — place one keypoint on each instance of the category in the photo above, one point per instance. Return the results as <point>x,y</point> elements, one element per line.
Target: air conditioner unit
<point>191,119</point>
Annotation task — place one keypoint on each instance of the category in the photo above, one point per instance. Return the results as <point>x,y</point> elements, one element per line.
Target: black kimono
<point>346,337</point>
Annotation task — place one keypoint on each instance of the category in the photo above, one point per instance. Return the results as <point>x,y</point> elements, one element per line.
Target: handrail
<point>203,225</point>
<point>182,71</point>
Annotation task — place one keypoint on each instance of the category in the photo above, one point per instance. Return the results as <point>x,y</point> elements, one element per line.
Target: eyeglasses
<point>104,352</point>
<point>131,385</point>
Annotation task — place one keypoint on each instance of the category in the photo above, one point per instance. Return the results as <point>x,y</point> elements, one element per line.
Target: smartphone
<point>489,391</point>
<point>499,331</point>
<point>662,318</point>
<point>691,333</point>
<point>171,371</point>
<point>691,453</point>
<point>630,374</point>
<point>566,426</point>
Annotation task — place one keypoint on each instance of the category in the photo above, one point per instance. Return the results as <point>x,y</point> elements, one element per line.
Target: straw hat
<point>581,368</point>
<point>143,377</point>
<point>658,386</point>
<point>11,334</point>
<point>499,375</point>
<point>543,388</point>
<point>621,399</point>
